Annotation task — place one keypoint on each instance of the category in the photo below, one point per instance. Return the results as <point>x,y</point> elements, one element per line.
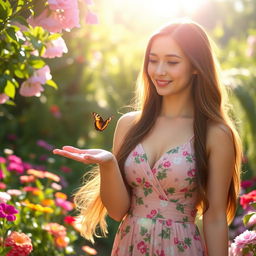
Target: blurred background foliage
<point>99,73</point>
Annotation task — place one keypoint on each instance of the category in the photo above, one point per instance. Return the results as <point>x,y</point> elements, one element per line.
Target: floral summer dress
<point>161,219</point>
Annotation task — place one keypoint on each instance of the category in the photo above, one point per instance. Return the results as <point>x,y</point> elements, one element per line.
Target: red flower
<point>20,243</point>
<point>248,198</point>
<point>69,219</point>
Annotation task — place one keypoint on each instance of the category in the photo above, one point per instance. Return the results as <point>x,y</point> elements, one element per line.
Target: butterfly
<point>99,123</point>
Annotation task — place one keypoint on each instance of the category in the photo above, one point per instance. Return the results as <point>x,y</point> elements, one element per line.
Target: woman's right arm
<point>113,191</point>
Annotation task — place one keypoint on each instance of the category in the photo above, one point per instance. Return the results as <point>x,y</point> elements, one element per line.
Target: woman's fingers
<point>74,150</point>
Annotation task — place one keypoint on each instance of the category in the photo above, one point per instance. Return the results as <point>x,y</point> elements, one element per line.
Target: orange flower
<point>61,241</point>
<point>47,202</point>
<point>61,195</point>
<point>37,207</point>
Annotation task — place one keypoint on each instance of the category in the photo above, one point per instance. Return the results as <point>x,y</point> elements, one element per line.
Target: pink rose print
<point>192,173</point>
<point>160,253</point>
<point>176,240</point>
<point>138,180</point>
<point>153,171</point>
<point>196,237</point>
<point>147,184</point>
<point>135,153</point>
<point>153,212</point>
<point>169,223</point>
<point>167,164</point>
<point>162,198</point>
<point>184,190</point>
<point>142,247</point>
<point>142,159</point>
<point>185,153</point>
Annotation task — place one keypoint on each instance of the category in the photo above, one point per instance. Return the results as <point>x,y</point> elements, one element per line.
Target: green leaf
<point>247,217</point>
<point>36,62</point>
<point>19,73</point>
<point>11,33</point>
<point>52,83</point>
<point>21,20</point>
<point>253,204</point>
<point>9,89</point>
<point>5,10</point>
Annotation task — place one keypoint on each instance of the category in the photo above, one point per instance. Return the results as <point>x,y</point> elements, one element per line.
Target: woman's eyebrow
<point>167,55</point>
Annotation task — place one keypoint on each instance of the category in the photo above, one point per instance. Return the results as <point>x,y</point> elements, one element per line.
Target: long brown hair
<point>210,104</point>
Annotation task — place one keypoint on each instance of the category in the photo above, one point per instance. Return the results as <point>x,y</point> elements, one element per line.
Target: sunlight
<point>160,8</point>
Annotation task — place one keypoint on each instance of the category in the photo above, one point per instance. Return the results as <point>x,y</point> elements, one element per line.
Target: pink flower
<point>91,18</point>
<point>29,89</point>
<point>16,167</point>
<point>169,222</point>
<point>246,238</point>
<point>147,184</point>
<point>14,192</point>
<point>192,173</point>
<point>32,86</point>
<point>176,240</point>
<point>55,48</point>
<point>138,180</point>
<point>1,174</point>
<point>2,160</point>
<point>135,153</point>
<point>185,153</point>
<point>2,185</point>
<point>20,243</point>
<point>55,229</point>
<point>140,245</point>
<point>56,186</point>
<point>66,205</point>
<point>3,98</point>
<point>62,14</point>
<point>14,159</point>
<point>252,220</point>
<point>153,170</point>
<point>153,212</point>
<point>167,164</point>
<point>4,197</point>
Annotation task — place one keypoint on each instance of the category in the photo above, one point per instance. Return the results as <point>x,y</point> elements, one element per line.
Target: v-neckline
<point>154,165</point>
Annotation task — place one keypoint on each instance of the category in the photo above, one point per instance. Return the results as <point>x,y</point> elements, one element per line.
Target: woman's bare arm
<point>221,166</point>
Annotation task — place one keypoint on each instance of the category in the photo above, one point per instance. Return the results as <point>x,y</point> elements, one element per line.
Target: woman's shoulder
<point>218,135</point>
<point>129,118</point>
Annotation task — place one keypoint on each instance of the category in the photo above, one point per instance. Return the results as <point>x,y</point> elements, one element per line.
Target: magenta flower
<point>7,211</point>
<point>55,48</point>
<point>15,167</point>
<point>91,18</point>
<point>2,160</point>
<point>14,159</point>
<point>45,145</point>
<point>3,98</point>
<point>1,174</point>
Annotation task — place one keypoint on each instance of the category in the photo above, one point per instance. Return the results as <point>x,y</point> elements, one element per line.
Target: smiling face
<point>169,69</point>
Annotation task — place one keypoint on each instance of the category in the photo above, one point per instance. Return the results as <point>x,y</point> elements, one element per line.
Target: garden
<point>62,60</point>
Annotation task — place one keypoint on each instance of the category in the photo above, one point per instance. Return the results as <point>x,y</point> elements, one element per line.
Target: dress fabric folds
<point>161,219</point>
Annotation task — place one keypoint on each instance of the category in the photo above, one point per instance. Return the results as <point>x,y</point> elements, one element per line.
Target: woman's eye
<point>172,62</point>
<point>152,61</point>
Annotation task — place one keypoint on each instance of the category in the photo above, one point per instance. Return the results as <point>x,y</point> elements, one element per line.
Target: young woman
<point>179,153</point>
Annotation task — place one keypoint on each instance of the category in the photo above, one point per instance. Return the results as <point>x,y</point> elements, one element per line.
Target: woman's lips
<point>163,83</point>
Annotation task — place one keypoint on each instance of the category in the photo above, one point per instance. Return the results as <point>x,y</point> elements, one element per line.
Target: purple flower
<point>45,145</point>
<point>7,211</point>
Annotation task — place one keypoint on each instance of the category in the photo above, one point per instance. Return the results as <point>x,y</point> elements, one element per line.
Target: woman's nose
<point>161,69</point>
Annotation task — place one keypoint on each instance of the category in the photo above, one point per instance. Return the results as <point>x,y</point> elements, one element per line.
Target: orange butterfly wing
<point>99,123</point>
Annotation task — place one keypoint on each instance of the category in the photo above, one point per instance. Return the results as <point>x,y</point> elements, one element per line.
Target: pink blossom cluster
<point>246,240</point>
<point>33,85</point>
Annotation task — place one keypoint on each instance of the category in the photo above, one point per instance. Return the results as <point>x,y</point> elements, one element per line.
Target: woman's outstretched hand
<point>86,156</point>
